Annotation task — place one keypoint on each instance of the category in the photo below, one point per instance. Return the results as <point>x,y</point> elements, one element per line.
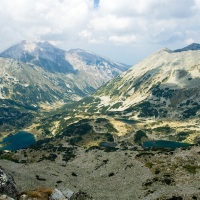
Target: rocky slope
<point>165,85</point>
<point>9,191</point>
<point>36,73</point>
<point>127,173</point>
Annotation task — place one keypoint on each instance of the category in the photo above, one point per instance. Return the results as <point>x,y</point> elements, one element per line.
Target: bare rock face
<point>57,195</point>
<point>7,184</point>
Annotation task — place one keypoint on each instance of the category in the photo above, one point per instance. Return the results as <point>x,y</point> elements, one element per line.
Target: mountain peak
<point>27,45</point>
<point>165,50</point>
<point>78,50</point>
<point>42,54</point>
<point>191,47</point>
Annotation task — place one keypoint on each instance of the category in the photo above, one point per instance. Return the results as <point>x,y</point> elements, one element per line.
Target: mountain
<point>155,102</point>
<point>159,98</point>
<point>164,85</point>
<point>192,47</point>
<point>35,73</point>
<point>41,54</point>
<point>80,58</point>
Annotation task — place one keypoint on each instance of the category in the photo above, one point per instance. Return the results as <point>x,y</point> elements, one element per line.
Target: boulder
<point>7,184</point>
<point>57,195</point>
<point>5,197</point>
<point>66,192</point>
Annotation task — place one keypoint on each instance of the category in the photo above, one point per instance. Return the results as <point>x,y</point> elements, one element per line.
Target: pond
<point>164,144</point>
<point>108,144</point>
<point>17,141</point>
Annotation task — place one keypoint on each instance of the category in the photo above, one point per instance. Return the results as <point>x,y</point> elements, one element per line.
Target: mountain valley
<point>40,76</point>
<point>160,94</point>
<point>94,139</point>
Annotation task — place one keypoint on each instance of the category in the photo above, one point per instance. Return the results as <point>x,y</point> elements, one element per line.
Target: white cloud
<point>85,34</point>
<point>109,22</point>
<point>124,39</point>
<point>112,22</point>
<point>189,41</point>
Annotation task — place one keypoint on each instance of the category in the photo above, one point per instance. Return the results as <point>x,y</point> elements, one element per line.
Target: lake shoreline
<point>19,140</point>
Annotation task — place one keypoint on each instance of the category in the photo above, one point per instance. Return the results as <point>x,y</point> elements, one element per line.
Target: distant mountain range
<point>164,85</point>
<point>35,73</point>
<point>191,47</point>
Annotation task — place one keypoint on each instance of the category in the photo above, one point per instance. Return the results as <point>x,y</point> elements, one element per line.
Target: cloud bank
<point>97,24</point>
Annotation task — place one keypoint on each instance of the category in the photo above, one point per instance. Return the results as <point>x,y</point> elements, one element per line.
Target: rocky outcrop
<point>8,191</point>
<point>49,194</point>
<point>64,194</point>
<point>7,184</point>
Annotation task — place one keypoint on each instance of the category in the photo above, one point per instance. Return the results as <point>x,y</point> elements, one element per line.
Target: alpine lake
<point>17,141</point>
<point>164,144</point>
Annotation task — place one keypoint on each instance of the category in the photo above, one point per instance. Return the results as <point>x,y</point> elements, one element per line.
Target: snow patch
<point>29,46</point>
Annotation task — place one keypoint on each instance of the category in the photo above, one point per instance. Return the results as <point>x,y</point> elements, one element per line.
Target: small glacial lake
<point>108,144</point>
<point>164,144</point>
<point>17,141</point>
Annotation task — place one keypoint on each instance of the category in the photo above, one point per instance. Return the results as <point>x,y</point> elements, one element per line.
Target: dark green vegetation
<point>140,137</point>
<point>192,169</point>
<point>145,109</point>
<point>35,94</point>
<point>88,131</point>
<point>15,116</point>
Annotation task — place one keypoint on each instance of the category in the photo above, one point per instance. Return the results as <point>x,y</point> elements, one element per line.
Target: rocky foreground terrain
<point>122,172</point>
<point>9,191</point>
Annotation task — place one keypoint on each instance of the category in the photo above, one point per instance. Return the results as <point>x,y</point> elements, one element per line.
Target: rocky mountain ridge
<point>164,85</point>
<point>191,47</point>
<point>51,74</point>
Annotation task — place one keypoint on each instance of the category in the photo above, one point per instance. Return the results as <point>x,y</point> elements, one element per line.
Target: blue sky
<point>96,3</point>
<point>126,31</point>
